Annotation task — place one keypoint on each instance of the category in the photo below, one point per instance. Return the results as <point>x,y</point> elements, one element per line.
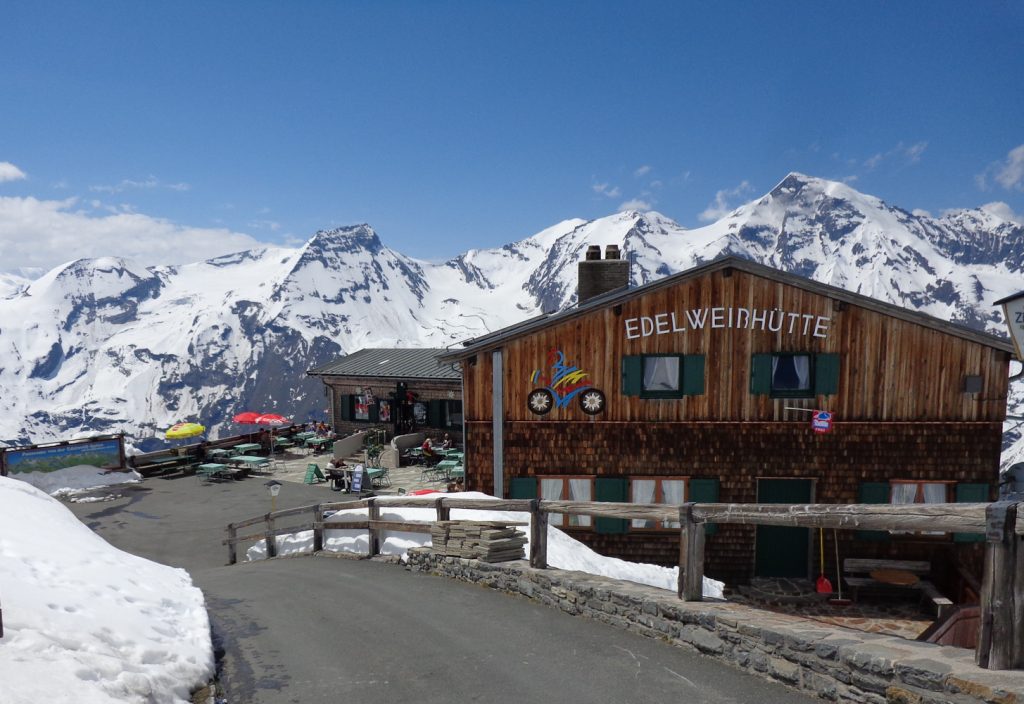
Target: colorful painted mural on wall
<point>564,383</point>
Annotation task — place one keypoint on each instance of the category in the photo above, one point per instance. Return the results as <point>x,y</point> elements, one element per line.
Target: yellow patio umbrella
<point>184,430</point>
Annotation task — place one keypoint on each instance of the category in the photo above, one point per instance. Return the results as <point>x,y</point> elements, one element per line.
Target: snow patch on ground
<point>72,480</point>
<point>87,623</point>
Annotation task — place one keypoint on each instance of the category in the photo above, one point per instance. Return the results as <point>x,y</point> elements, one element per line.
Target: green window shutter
<point>345,406</point>
<point>873,493</point>
<point>970,494</point>
<point>761,374</point>
<point>611,489</point>
<point>826,374</point>
<point>693,374</point>
<point>704,491</point>
<point>435,413</point>
<point>632,375</point>
<point>522,488</point>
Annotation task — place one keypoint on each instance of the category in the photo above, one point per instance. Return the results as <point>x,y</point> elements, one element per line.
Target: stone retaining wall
<point>836,664</point>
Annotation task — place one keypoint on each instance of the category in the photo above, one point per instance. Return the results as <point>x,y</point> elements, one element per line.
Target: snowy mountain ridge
<point>104,345</point>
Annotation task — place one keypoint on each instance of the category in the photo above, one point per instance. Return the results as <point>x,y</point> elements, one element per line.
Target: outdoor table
<point>245,447</point>
<point>453,454</point>
<point>283,442</point>
<point>301,437</point>
<point>446,466</point>
<point>251,462</point>
<point>317,443</point>
<point>218,452</point>
<point>210,469</point>
<point>457,473</point>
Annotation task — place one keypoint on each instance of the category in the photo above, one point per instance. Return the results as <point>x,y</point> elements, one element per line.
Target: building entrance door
<point>782,551</point>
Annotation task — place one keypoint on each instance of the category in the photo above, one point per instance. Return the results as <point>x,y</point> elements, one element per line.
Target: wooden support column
<point>691,555</point>
<point>232,547</point>
<point>318,528</point>
<point>271,539</point>
<point>538,536</point>
<point>373,514</point>
<point>1001,636</point>
<point>443,512</point>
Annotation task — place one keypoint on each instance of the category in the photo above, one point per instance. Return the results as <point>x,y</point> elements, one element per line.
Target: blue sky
<point>449,126</point>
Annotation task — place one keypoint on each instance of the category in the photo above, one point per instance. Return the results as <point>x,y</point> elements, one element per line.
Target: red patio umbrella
<point>248,417</point>
<point>274,421</point>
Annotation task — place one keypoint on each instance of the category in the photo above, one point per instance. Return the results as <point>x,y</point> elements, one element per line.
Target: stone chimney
<point>598,276</point>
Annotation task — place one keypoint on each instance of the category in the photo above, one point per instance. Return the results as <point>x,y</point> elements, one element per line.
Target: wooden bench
<point>857,575</point>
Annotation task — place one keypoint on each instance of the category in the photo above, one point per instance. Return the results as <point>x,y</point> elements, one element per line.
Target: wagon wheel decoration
<point>540,401</point>
<point>592,402</point>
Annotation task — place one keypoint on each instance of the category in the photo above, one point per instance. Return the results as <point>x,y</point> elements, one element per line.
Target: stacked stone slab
<point>487,541</point>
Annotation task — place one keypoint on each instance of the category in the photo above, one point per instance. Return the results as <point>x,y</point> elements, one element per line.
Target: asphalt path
<point>327,629</point>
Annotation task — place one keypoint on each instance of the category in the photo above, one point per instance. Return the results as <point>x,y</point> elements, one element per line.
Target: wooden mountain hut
<point>736,382</point>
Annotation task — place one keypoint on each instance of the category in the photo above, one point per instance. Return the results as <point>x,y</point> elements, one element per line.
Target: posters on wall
<point>362,411</point>
<point>384,414</point>
<point>419,413</point>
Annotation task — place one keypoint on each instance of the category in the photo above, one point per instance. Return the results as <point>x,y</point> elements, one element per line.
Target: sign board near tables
<point>357,479</point>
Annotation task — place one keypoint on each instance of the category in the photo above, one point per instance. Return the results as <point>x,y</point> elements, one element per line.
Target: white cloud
<point>1009,173</point>
<point>46,233</point>
<point>720,207</point>
<point>921,213</point>
<point>642,171</point>
<point>606,189</point>
<point>635,204</point>
<point>271,225</point>
<point>10,172</point>
<point>1004,211</point>
<point>656,184</point>
<point>149,183</point>
<point>908,154</point>
<point>852,178</point>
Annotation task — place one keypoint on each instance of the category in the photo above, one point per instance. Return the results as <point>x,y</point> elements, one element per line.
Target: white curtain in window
<point>802,364</point>
<point>579,490</point>
<point>661,374</point>
<point>673,491</point>
<point>935,493</point>
<point>551,490</point>
<point>643,493</point>
<point>904,493</point>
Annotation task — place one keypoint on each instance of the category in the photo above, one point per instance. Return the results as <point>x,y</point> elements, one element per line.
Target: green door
<point>782,551</point>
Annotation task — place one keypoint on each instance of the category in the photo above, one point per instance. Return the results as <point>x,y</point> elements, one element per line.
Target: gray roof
<point>390,363</point>
<point>496,338</point>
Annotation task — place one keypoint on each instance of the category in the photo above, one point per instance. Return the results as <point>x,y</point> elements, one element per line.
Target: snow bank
<point>71,480</point>
<point>87,623</point>
<point>564,552</point>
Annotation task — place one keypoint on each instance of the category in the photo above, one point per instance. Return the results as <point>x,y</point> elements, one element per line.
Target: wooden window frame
<point>794,393</point>
<point>678,393</point>
<point>659,498</point>
<point>560,520</point>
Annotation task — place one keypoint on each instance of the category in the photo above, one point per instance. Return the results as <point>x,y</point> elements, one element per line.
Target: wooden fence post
<point>232,547</point>
<point>538,536</point>
<point>691,555</point>
<point>443,512</point>
<point>271,539</point>
<point>1001,636</point>
<point>318,528</point>
<point>373,514</point>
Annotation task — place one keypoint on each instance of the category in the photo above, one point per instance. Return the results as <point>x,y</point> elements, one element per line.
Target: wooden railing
<point>1000,642</point>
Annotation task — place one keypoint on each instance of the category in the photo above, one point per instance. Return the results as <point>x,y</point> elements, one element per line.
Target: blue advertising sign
<point>357,479</point>
<point>821,421</point>
<point>105,454</point>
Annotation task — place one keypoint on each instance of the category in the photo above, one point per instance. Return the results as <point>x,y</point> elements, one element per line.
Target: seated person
<point>447,443</point>
<point>428,450</point>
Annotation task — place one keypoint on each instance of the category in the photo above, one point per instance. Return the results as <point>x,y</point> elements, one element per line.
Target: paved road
<point>325,629</point>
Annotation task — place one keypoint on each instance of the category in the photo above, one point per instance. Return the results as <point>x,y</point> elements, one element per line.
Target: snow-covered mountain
<point>103,345</point>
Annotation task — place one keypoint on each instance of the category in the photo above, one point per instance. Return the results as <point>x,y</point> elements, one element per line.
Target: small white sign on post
<point>1013,310</point>
<point>357,479</point>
